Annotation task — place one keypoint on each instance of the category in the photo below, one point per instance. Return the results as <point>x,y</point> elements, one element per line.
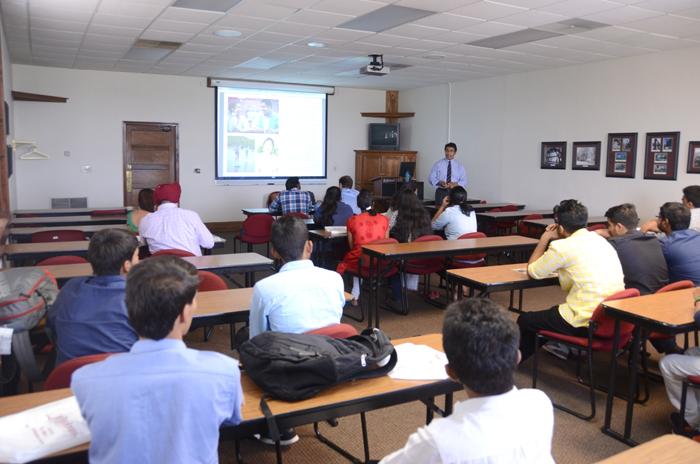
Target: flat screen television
<point>383,136</point>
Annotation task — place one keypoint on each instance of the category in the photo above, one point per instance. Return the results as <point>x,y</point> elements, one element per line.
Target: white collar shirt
<point>171,227</point>
<point>455,222</point>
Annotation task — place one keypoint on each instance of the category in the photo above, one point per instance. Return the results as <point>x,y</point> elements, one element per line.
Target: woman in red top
<point>362,229</point>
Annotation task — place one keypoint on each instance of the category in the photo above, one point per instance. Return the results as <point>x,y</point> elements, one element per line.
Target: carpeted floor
<point>575,441</point>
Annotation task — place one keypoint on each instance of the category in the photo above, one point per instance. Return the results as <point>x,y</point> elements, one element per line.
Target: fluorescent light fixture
<point>151,50</point>
<point>252,84</point>
<point>316,44</point>
<point>386,18</point>
<point>227,33</point>
<point>207,5</point>
<point>514,38</point>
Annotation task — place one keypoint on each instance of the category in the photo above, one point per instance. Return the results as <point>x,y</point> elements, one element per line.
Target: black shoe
<point>679,426</point>
<point>287,437</point>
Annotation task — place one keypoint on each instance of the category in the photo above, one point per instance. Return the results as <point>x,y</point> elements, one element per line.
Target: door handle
<point>129,179</point>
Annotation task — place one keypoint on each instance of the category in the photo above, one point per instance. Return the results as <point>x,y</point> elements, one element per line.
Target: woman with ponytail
<point>455,215</point>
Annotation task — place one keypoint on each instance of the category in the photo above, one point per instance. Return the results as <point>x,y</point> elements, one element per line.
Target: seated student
<point>498,423</point>
<point>348,195</point>
<point>292,200</point>
<point>300,297</point>
<point>332,211</point>
<point>133,217</point>
<point>161,401</point>
<point>674,369</point>
<point>89,315</point>
<point>588,268</point>
<point>680,245</point>
<point>691,200</point>
<point>172,227</point>
<point>455,215</point>
<point>412,221</point>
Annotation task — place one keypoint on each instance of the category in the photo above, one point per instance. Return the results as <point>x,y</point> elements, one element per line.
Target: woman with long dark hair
<point>412,219</point>
<point>332,211</point>
<point>455,215</point>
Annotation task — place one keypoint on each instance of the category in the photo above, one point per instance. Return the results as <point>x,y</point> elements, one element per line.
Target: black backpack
<point>294,367</point>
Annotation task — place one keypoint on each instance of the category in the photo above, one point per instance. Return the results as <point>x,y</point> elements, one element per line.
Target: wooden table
<point>350,398</point>
<point>22,251</point>
<point>489,279</point>
<point>404,251</point>
<point>18,213</point>
<point>66,221</point>
<point>670,313</point>
<point>537,226</point>
<point>512,215</point>
<point>666,449</point>
<point>24,234</point>
<point>487,206</point>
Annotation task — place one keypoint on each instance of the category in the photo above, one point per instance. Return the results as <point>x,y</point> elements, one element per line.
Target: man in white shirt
<point>171,227</point>
<point>301,296</point>
<point>498,423</point>
<point>348,195</point>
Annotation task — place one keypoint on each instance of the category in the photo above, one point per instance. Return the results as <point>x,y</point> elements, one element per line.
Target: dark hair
<point>692,194</point>
<point>481,343</point>
<point>451,145</point>
<point>288,237</point>
<point>329,205</point>
<point>412,219</point>
<point>458,196</point>
<point>146,200</point>
<point>109,249</point>
<point>365,201</point>
<point>571,215</point>
<point>677,215</point>
<point>157,290</point>
<point>409,186</point>
<point>625,214</point>
<point>345,182</point>
<point>292,182</point>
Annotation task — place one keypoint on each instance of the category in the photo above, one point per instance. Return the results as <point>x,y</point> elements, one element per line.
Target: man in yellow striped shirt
<point>588,268</point>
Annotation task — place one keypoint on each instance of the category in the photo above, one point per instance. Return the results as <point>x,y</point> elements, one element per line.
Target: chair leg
<point>684,397</point>
<point>535,361</point>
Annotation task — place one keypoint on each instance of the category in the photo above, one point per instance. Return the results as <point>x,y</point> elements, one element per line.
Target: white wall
<point>499,124</point>
<point>90,127</point>
<point>7,93</point>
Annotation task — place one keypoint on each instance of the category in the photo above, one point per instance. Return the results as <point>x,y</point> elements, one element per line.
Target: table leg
<point>632,388</point>
<point>611,382</point>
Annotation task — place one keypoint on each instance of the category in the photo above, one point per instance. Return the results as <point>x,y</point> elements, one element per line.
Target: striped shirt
<point>588,268</point>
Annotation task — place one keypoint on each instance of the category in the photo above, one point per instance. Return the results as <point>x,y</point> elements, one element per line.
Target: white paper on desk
<point>5,340</point>
<point>419,362</point>
<point>41,431</point>
<point>336,230</point>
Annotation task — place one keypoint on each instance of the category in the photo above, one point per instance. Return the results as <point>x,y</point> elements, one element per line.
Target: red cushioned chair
<point>210,282</point>
<point>503,226</point>
<point>425,267</point>
<point>65,259</point>
<point>173,252</point>
<point>692,381</point>
<point>680,285</point>
<point>595,227</point>
<point>601,329</point>
<point>524,229</point>
<point>256,230</point>
<point>340,330</point>
<point>299,215</point>
<point>473,260</point>
<point>61,375</point>
<point>58,236</point>
<point>109,212</point>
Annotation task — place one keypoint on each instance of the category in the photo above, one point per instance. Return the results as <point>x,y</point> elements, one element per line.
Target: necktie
<point>448,179</point>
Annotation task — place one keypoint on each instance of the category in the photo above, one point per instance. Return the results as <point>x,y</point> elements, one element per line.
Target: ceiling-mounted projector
<point>375,67</point>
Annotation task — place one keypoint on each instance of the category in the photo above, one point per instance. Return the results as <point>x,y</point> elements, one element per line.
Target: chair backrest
<point>384,264</point>
<point>473,258</point>
<point>61,375</point>
<point>65,259</point>
<point>108,212</point>
<point>257,227</point>
<point>208,282</point>
<point>298,214</point>
<point>271,197</point>
<point>605,325</point>
<point>340,330</point>
<point>495,210</point>
<point>680,285</point>
<point>523,229</point>
<point>428,264</point>
<point>66,235</point>
<point>597,227</point>
<point>173,252</point>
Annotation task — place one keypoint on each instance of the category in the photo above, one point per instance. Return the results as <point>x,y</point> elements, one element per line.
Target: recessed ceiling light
<point>227,33</point>
<point>316,44</point>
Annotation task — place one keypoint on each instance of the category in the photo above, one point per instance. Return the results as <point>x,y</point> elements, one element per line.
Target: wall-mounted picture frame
<point>553,155</point>
<point>622,154</point>
<point>585,156</point>
<point>694,157</point>
<point>661,155</point>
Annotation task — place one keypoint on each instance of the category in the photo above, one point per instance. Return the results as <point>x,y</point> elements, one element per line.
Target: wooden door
<point>150,157</point>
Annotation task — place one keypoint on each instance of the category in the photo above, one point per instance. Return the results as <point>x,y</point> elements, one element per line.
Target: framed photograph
<point>622,154</point>
<point>553,155</point>
<point>661,158</point>
<point>585,156</point>
<point>694,157</point>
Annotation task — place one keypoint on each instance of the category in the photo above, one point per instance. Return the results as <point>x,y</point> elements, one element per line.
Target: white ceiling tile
<point>175,26</point>
<point>533,18</point>
<point>344,35</point>
<point>530,3</point>
<point>127,8</point>
<point>166,36</point>
<point>491,28</point>
<point>608,33</point>
<point>290,3</point>
<point>448,21</point>
<point>258,9</point>
<point>677,26</point>
<point>107,40</point>
<point>246,22</point>
<point>689,13</point>
<point>655,42</point>
<point>578,8</point>
<point>353,8</point>
<point>457,37</point>
<point>202,48</point>
<point>318,18</point>
<point>274,38</point>
<point>416,32</point>
<point>256,45</point>
<point>622,15</point>
<point>100,54</point>
<point>113,30</point>
<point>122,21</point>
<point>303,30</point>
<point>58,25</point>
<point>207,38</point>
<point>487,10</point>
<point>191,16</point>
<point>668,6</point>
<point>435,5</point>
<point>64,15</point>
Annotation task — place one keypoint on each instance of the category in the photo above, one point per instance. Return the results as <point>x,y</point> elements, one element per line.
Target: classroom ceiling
<point>431,44</point>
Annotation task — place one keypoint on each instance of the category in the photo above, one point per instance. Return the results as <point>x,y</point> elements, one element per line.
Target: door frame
<point>124,151</point>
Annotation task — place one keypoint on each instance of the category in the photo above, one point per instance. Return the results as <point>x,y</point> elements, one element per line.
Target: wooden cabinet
<point>373,163</point>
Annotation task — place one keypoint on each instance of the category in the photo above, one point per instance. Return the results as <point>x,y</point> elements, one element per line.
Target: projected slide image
<point>253,115</point>
<point>253,155</point>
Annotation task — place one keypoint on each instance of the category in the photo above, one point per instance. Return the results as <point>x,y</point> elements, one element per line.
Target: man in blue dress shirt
<point>447,173</point>
<point>681,245</point>
<point>89,315</point>
<point>161,401</point>
<point>348,195</point>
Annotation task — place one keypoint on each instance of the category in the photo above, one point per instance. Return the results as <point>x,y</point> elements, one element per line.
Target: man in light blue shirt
<point>348,195</point>
<point>300,297</point>
<point>161,401</point>
<point>447,173</point>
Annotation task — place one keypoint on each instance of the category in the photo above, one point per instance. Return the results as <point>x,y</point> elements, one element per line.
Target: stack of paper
<point>419,362</point>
